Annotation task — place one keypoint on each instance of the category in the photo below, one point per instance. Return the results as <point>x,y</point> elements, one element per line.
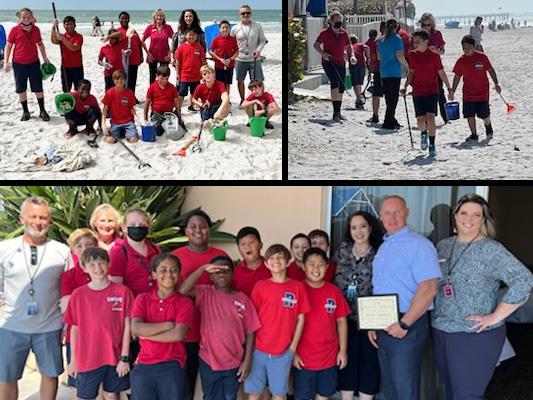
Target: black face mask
<point>137,233</point>
<point>26,25</point>
<point>337,24</point>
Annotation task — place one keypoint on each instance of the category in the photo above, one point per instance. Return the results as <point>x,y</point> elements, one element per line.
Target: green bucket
<point>47,70</point>
<point>257,126</point>
<point>65,103</point>
<point>347,82</point>
<point>219,132</point>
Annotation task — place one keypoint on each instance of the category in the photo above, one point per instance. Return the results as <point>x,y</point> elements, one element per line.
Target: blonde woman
<point>105,222</point>
<point>436,44</point>
<point>159,34</point>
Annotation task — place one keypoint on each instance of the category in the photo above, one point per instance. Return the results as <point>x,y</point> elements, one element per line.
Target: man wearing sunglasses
<point>251,40</point>
<point>30,271</point>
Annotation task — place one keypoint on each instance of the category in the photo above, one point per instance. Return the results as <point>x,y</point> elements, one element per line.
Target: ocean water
<point>269,19</point>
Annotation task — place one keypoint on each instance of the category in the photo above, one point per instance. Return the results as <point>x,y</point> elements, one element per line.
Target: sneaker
<point>359,105</point>
<point>490,136</point>
<point>342,117</point>
<point>191,108</point>
<point>268,125</point>
<point>432,150</point>
<point>25,116</point>
<point>373,120</point>
<point>489,132</point>
<point>424,141</point>
<point>44,116</point>
<point>472,138</point>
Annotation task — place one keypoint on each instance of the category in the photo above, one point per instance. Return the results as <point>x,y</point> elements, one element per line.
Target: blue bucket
<point>452,110</point>
<point>148,133</point>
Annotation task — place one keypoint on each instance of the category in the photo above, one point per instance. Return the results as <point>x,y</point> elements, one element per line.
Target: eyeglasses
<point>246,13</point>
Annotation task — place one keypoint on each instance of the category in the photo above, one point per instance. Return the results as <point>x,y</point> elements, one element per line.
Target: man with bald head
<point>406,264</point>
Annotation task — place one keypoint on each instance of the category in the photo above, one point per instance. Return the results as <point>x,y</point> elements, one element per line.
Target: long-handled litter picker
<point>408,122</point>
<point>141,162</point>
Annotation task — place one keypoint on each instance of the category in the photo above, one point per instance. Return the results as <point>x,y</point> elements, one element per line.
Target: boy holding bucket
<point>425,66</point>
<point>86,112</point>
<point>163,97</point>
<point>260,102</point>
<point>473,67</point>
<point>26,38</point>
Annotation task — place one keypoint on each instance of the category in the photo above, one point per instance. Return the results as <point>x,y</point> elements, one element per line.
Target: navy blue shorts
<point>71,382</point>
<point>23,72</point>
<point>426,104</point>
<point>184,88</point>
<point>71,77</point>
<point>307,383</point>
<point>335,73</point>
<point>83,119</point>
<point>218,385</point>
<point>377,90</point>
<point>357,73</point>
<point>207,113</point>
<point>158,381</point>
<point>224,75</point>
<point>473,108</point>
<point>88,382</point>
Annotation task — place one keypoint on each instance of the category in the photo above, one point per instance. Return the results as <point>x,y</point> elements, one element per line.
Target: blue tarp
<point>316,8</point>
<point>211,32</point>
<point>2,37</point>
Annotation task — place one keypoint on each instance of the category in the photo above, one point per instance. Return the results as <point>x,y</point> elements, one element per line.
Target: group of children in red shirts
<point>119,100</point>
<point>253,322</point>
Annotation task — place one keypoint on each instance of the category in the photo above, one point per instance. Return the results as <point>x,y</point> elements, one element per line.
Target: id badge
<point>448,290</point>
<point>32,308</point>
<point>351,292</point>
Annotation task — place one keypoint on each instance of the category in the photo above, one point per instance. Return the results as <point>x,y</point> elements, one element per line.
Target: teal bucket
<point>452,110</point>
<point>148,133</point>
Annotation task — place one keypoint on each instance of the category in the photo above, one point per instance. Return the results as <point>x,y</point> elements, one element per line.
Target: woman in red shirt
<point>159,34</point>
<point>105,222</point>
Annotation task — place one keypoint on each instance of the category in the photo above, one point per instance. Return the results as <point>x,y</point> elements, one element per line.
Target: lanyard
<point>458,258</point>
<point>31,291</point>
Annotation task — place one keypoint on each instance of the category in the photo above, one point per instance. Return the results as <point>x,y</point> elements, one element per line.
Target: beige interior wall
<point>277,212</point>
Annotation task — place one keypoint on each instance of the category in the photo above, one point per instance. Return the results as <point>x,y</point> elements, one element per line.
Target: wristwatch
<point>404,326</point>
<point>124,359</point>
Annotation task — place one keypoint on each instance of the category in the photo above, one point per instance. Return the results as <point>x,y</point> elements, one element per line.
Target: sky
<point>462,7</point>
<point>149,5</point>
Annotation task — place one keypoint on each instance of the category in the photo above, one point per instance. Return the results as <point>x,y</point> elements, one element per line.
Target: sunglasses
<point>246,13</point>
<point>427,24</point>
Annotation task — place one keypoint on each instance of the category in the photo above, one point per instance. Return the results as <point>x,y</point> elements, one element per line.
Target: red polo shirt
<point>295,272</point>
<point>71,280</point>
<point>213,93</point>
<point>72,59</point>
<point>82,106</point>
<point>158,40</point>
<point>134,268</point>
<point>334,44</point>
<point>190,57</point>
<point>266,98</point>
<point>224,47</point>
<point>113,55</point>
<point>120,105</point>
<point>162,99</point>
<point>474,69</point>
<point>245,278</point>
<point>425,67</point>
<point>151,309</point>
<point>25,42</point>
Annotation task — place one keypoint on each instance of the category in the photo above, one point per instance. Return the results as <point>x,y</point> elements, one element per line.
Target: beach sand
<point>239,157</point>
<point>353,150</point>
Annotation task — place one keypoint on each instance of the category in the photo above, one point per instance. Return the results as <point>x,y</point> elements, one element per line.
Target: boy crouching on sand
<point>99,314</point>
<point>281,304</point>
<point>86,112</point>
<point>425,67</point>
<point>211,97</point>
<point>473,67</point>
<point>260,102</point>
<point>120,102</point>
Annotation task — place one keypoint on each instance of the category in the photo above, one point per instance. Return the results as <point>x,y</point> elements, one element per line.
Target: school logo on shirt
<point>331,305</point>
<point>117,303</point>
<point>478,65</point>
<point>289,300</point>
<point>241,308</point>
<point>124,101</point>
<point>197,53</point>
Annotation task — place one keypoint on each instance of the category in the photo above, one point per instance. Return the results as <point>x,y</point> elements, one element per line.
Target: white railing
<point>365,19</point>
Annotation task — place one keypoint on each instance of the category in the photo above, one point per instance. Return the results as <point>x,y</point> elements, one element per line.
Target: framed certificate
<point>377,312</point>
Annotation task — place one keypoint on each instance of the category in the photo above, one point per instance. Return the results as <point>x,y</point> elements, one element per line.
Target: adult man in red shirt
<point>473,67</point>
<point>335,41</point>
<point>425,66</point>
<point>71,59</point>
